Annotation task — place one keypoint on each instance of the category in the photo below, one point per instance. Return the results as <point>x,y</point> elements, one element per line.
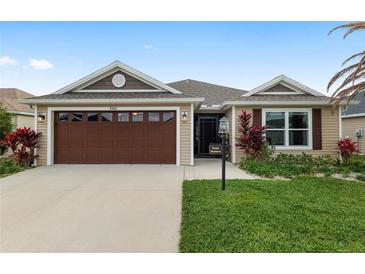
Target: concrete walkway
<point>212,169</point>
<point>98,208</point>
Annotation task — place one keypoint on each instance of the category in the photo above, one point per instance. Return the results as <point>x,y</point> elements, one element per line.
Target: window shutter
<point>257,117</point>
<point>317,129</point>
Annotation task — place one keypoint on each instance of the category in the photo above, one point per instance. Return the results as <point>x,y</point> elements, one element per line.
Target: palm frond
<point>340,74</point>
<point>353,57</point>
<point>351,28</point>
<point>353,75</point>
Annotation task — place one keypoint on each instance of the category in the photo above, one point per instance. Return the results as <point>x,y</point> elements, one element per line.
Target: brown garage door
<point>115,137</point>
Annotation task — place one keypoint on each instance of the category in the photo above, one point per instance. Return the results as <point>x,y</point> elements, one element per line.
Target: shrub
<point>9,166</point>
<point>5,126</point>
<point>22,142</point>
<point>346,147</point>
<point>289,165</point>
<point>251,139</point>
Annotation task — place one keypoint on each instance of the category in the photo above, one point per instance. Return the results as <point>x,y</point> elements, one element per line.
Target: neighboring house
<point>120,115</point>
<point>23,115</point>
<point>353,119</point>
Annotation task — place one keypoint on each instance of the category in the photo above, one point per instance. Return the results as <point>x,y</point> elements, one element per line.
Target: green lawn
<point>301,215</point>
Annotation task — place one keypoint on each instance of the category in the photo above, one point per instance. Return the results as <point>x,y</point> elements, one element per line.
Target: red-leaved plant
<point>346,147</point>
<point>251,139</point>
<point>23,142</point>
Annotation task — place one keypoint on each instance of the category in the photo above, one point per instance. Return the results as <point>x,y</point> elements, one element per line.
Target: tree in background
<point>6,125</point>
<point>352,77</point>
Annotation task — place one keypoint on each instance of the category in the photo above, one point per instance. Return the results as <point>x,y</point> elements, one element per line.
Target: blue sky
<point>41,57</point>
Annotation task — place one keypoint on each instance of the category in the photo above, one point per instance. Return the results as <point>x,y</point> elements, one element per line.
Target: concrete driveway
<point>91,208</point>
<point>98,208</point>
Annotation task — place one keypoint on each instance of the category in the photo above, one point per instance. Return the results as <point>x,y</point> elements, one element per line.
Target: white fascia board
<point>275,103</point>
<point>110,101</point>
<point>210,108</point>
<point>115,65</point>
<point>282,79</point>
<point>21,113</point>
<point>353,115</point>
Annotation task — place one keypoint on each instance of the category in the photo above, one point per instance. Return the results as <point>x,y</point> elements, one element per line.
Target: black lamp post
<point>223,131</point>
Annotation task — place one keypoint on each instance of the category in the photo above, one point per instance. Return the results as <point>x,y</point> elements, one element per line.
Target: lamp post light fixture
<point>223,131</point>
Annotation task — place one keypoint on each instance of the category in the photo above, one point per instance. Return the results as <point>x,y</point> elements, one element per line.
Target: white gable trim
<point>120,90</point>
<point>114,67</point>
<point>285,81</point>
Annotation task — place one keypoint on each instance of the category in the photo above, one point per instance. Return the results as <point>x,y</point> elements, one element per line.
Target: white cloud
<point>152,47</point>
<point>40,64</point>
<point>6,60</point>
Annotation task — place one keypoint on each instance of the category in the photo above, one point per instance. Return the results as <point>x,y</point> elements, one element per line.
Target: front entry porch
<point>206,133</point>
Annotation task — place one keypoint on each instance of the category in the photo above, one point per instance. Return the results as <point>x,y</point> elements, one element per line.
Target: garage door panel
<point>92,157</point>
<point>92,142</point>
<point>91,129</point>
<point>76,130</point>
<point>124,141</point>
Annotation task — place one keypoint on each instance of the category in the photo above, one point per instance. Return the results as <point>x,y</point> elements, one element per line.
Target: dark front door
<point>207,133</point>
<point>118,137</point>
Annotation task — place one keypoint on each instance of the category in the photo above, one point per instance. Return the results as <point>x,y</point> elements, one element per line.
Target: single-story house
<point>23,115</point>
<point>120,115</point>
<point>353,121</point>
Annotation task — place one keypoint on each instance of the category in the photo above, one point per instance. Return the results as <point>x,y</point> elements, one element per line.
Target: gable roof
<point>284,81</point>
<point>214,94</point>
<point>9,97</point>
<point>111,68</point>
<point>358,109</point>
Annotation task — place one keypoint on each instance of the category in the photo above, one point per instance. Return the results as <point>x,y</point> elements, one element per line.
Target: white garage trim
<point>192,135</point>
<point>35,129</point>
<point>233,156</point>
<point>50,124</point>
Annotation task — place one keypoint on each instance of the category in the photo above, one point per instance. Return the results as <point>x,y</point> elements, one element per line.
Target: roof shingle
<point>358,108</point>
<point>9,97</point>
<point>213,94</point>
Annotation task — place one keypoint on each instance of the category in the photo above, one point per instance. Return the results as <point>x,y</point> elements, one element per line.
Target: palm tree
<point>352,77</point>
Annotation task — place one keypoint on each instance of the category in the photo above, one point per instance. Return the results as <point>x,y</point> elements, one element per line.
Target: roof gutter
<point>353,115</point>
<point>31,101</point>
<point>21,112</point>
<point>280,103</point>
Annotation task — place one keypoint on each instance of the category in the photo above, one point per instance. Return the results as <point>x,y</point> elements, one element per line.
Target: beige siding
<point>185,136</point>
<point>42,140</point>
<point>330,132</point>
<point>228,115</point>
<point>349,125</point>
<point>24,121</point>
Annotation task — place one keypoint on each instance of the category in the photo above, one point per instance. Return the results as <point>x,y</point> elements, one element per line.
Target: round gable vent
<point>118,80</point>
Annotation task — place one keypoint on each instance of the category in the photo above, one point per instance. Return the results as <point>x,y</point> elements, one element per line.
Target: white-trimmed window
<point>288,128</point>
